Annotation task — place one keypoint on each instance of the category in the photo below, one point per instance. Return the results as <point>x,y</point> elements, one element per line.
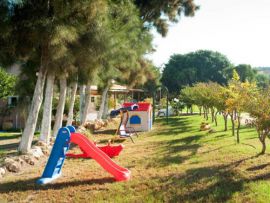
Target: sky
<point>239,29</point>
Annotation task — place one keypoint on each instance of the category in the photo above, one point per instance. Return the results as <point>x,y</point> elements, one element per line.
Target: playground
<point>172,163</point>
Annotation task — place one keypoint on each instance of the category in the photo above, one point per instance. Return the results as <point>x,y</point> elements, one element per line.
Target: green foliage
<point>126,43</point>
<point>159,13</point>
<point>177,106</point>
<point>7,84</point>
<point>246,73</point>
<point>234,99</point>
<point>163,102</point>
<point>263,81</point>
<point>153,79</point>
<point>199,66</point>
<point>27,79</point>
<point>235,76</point>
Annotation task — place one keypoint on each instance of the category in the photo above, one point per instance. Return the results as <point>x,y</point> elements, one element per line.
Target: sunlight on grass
<point>172,163</point>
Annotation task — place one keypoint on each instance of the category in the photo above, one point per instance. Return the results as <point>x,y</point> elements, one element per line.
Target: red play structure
<point>111,151</point>
<point>62,143</point>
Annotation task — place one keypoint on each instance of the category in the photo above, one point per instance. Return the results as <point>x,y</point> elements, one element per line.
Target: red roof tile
<point>143,106</point>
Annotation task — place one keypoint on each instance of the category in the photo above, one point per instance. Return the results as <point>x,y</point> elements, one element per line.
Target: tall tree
<point>61,105</point>
<point>46,29</point>
<point>258,107</point>
<point>199,66</point>
<point>74,87</point>
<point>47,110</point>
<point>158,14</point>
<point>126,45</point>
<point>245,72</point>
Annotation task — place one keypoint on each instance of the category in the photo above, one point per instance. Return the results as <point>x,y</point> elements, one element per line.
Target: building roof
<point>143,106</point>
<point>117,88</point>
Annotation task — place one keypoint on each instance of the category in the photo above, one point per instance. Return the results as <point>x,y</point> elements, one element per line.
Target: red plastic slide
<point>104,160</point>
<point>110,150</point>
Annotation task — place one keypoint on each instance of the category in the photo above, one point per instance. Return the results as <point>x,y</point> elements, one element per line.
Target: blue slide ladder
<point>57,157</point>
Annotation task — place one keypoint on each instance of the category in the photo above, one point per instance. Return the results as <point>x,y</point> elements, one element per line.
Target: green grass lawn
<point>9,135</point>
<point>172,163</point>
<point>5,142</point>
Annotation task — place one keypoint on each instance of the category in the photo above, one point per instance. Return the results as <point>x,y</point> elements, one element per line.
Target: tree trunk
<point>28,133</point>
<point>45,132</point>
<point>87,103</point>
<point>103,100</point>
<point>238,128</point>
<point>233,125</point>
<point>215,118</point>
<point>82,101</point>
<point>262,140</point>
<point>200,111</point>
<point>105,112</point>
<point>206,113</point>
<point>60,106</point>
<point>212,114</point>
<point>191,110</point>
<point>72,102</point>
<point>225,117</point>
<point>235,115</point>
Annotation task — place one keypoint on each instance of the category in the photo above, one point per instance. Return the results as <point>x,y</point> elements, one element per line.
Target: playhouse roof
<point>143,106</point>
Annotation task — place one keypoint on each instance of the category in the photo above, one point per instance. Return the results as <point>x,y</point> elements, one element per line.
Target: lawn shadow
<point>226,184</point>
<point>30,184</point>
<point>255,168</point>
<point>171,150</point>
<point>105,132</point>
<point>9,137</point>
<point>250,145</point>
<point>13,146</point>
<point>176,125</point>
<point>173,121</point>
<point>8,147</point>
<point>222,135</point>
<point>208,184</point>
<point>217,149</point>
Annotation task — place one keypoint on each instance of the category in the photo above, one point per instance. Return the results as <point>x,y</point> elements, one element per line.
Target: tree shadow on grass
<point>173,121</point>
<point>222,136</point>
<point>171,151</point>
<point>30,184</point>
<point>217,149</point>
<point>8,137</point>
<point>250,145</point>
<point>14,146</point>
<point>259,167</point>
<point>206,184</point>
<point>176,126</point>
<point>176,131</point>
<point>221,191</point>
<point>106,132</point>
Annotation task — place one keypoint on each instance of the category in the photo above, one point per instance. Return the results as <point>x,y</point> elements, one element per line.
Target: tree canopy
<point>81,41</point>
<point>158,14</point>
<point>245,72</point>
<point>199,66</point>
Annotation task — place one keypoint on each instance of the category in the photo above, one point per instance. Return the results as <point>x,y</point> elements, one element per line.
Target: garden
<point>86,115</point>
<point>172,163</point>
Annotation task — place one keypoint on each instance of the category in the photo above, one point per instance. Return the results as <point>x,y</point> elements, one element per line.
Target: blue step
<point>57,157</point>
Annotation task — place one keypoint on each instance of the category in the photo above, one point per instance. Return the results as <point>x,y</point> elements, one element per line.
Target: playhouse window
<point>135,120</point>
